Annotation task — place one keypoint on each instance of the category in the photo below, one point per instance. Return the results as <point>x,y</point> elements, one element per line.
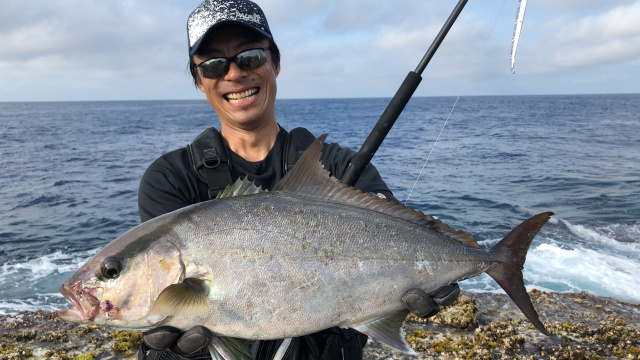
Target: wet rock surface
<point>477,326</point>
<point>490,326</point>
<point>42,334</point>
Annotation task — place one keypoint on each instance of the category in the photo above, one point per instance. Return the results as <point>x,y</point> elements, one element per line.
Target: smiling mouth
<point>242,96</point>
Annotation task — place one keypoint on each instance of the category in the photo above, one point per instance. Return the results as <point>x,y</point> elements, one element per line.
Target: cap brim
<point>224,23</point>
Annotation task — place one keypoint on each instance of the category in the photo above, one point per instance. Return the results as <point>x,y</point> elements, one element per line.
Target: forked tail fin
<point>511,253</point>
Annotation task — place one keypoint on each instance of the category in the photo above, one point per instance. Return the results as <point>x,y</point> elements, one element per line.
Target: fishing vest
<point>211,162</point>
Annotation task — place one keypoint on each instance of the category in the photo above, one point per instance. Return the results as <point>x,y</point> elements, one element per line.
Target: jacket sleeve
<point>164,187</point>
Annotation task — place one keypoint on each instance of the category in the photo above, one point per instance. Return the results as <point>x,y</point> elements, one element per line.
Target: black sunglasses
<point>247,60</point>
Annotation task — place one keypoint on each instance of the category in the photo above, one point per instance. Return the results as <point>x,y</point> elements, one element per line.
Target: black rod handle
<point>397,104</point>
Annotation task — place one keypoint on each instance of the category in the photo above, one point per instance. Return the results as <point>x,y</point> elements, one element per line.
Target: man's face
<point>242,98</point>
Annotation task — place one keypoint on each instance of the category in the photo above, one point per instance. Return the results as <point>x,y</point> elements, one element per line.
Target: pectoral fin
<point>388,330</point>
<point>184,299</point>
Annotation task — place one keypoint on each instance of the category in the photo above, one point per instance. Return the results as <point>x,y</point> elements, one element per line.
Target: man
<point>235,62</point>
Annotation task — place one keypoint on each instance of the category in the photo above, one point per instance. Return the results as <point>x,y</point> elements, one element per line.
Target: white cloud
<point>580,6</point>
<point>608,38</point>
<point>136,49</point>
<point>91,49</point>
<point>371,55</point>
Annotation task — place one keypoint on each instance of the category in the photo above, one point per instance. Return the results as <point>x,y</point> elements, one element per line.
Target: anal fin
<point>388,330</point>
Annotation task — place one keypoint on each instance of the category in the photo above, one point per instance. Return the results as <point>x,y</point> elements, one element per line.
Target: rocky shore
<point>477,326</point>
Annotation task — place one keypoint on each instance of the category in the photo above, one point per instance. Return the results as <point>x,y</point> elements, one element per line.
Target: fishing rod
<point>396,105</point>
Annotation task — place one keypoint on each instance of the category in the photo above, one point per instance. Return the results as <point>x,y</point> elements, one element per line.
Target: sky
<point>82,50</point>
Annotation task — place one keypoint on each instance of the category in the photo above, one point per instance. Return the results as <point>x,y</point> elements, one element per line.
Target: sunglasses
<point>247,60</point>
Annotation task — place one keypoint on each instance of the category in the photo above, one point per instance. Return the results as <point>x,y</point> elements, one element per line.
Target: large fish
<point>309,255</point>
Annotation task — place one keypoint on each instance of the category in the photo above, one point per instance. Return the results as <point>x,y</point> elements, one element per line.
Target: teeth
<point>241,96</point>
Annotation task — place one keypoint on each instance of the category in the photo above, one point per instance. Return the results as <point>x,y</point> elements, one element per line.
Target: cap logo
<point>253,18</point>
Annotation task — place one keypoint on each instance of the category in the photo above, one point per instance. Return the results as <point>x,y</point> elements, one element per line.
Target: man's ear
<point>199,80</point>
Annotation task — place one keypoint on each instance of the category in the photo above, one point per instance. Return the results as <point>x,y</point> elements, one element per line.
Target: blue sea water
<point>70,172</point>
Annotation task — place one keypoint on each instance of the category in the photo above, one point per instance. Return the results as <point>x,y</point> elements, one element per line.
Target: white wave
<point>622,238</point>
<point>579,269</point>
<point>42,267</point>
<point>605,261</point>
<point>47,302</point>
<point>610,267</point>
<point>32,284</point>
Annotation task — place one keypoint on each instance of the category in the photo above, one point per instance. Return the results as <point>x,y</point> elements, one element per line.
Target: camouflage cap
<point>211,14</point>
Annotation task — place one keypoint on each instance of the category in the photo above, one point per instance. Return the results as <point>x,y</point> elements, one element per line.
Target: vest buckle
<point>211,159</point>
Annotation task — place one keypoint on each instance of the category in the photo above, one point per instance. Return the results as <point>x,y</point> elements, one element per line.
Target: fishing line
<point>466,82</point>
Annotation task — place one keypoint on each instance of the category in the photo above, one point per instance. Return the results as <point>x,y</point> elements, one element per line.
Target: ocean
<point>70,173</point>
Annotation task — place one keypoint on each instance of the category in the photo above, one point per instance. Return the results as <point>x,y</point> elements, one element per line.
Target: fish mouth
<point>86,305</point>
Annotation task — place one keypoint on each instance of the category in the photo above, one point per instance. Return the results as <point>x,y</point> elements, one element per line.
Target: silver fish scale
<point>283,268</point>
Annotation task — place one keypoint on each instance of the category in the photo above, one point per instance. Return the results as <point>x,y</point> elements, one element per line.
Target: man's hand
<point>426,305</point>
<point>167,342</point>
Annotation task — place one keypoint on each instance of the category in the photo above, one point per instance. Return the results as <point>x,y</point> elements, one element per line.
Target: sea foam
<point>577,269</point>
<point>33,283</point>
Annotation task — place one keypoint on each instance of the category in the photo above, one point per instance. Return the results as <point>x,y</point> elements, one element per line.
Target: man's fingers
<point>419,303</point>
<point>446,295</point>
<point>161,338</point>
<point>193,340</point>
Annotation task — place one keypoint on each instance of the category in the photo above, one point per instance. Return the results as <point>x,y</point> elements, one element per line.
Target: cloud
<point>608,38</point>
<point>91,45</point>
<point>362,50</point>
<point>579,6</point>
<point>464,41</point>
<point>132,49</point>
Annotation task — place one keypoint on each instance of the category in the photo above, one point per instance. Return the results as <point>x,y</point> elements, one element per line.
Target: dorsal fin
<point>239,188</point>
<point>461,236</point>
<point>308,179</point>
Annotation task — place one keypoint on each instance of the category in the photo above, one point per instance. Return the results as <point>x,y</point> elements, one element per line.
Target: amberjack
<point>312,254</point>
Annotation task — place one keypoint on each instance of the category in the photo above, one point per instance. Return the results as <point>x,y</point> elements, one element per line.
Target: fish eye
<point>110,267</point>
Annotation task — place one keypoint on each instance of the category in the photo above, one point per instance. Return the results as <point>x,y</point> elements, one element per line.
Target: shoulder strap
<point>210,160</point>
<point>297,141</point>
